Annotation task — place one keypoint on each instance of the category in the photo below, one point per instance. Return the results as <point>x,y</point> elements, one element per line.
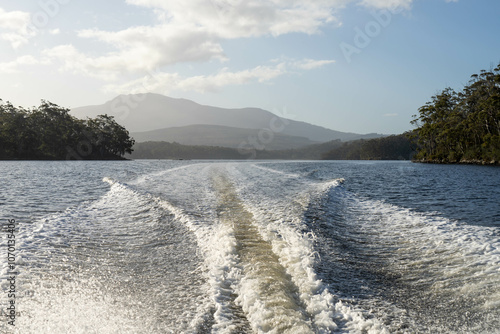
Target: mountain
<point>218,135</point>
<point>147,112</point>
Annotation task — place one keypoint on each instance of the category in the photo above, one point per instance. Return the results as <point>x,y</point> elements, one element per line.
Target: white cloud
<point>145,48</point>
<point>192,31</point>
<point>164,83</point>
<point>311,64</point>
<point>23,61</point>
<point>105,68</point>
<point>241,18</point>
<point>388,4</point>
<point>159,82</point>
<point>14,27</point>
<point>109,67</point>
<point>16,20</point>
<point>225,77</point>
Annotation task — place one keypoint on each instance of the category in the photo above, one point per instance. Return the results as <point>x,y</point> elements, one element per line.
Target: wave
<point>279,220</point>
<point>241,248</point>
<point>415,270</point>
<point>121,258</point>
<point>246,248</point>
<point>453,265</point>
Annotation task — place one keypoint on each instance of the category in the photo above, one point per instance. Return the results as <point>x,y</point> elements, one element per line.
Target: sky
<point>358,66</point>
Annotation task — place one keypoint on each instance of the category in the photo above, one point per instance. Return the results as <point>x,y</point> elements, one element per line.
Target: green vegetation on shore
<point>49,132</point>
<point>387,148</point>
<point>396,147</point>
<point>462,127</point>
<point>167,150</point>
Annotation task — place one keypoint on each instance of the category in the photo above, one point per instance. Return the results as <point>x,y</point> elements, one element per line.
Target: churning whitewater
<point>252,248</point>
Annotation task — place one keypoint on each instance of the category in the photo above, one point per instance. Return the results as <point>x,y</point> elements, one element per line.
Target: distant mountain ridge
<point>225,136</point>
<point>148,115</point>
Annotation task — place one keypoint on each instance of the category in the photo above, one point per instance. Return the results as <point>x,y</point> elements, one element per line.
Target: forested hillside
<point>166,150</point>
<point>49,132</point>
<point>387,148</point>
<point>462,127</point>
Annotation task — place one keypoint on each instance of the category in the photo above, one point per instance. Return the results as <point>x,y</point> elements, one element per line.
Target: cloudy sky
<point>350,65</point>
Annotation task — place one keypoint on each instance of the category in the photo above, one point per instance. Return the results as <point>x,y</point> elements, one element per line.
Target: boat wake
<point>245,248</point>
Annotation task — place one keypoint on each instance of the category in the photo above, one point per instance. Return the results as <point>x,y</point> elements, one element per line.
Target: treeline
<point>166,150</point>
<point>462,127</point>
<point>386,148</point>
<point>49,132</point>
<point>396,147</point>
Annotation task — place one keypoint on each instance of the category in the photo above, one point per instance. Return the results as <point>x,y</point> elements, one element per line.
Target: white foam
<point>280,223</point>
<point>155,175</point>
<point>217,243</point>
<point>455,259</point>
<point>282,173</point>
<point>225,271</point>
<point>195,224</point>
<point>74,309</point>
<point>68,299</point>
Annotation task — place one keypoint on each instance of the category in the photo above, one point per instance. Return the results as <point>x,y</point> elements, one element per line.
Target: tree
<point>50,132</point>
<point>108,137</point>
<point>396,147</point>
<point>465,126</point>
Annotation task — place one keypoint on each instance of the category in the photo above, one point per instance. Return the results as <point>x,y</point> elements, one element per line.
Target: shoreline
<point>103,159</point>
<point>476,162</point>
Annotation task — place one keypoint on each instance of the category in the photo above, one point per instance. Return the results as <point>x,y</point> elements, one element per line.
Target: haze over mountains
<point>154,117</point>
<point>226,136</point>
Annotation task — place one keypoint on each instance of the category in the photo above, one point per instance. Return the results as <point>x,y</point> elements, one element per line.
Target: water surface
<point>252,247</point>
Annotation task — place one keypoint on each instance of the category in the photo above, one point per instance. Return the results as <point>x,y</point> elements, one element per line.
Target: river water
<point>249,247</point>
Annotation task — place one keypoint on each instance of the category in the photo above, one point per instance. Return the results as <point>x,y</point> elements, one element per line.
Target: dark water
<point>462,192</point>
<point>243,247</point>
